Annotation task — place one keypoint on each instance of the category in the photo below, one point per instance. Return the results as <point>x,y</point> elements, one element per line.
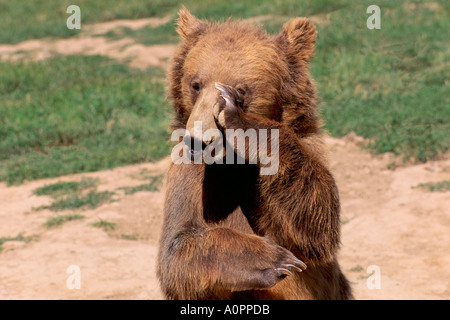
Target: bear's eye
<point>196,86</point>
<point>241,91</point>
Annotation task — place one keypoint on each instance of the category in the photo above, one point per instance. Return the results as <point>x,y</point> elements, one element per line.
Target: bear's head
<point>270,72</point>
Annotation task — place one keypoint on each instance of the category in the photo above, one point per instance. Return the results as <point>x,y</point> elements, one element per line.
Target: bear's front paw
<point>228,111</point>
<point>266,268</point>
<point>282,262</point>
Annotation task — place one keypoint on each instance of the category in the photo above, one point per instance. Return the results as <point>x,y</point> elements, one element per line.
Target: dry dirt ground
<point>90,42</point>
<point>395,238</point>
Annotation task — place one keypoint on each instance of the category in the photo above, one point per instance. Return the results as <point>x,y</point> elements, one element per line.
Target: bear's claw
<point>233,102</point>
<point>232,96</point>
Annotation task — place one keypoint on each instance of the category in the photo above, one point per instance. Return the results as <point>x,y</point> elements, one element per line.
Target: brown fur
<point>227,230</point>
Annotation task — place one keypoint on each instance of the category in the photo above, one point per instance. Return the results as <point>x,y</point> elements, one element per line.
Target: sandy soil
<point>387,223</point>
<point>404,231</point>
<point>88,42</point>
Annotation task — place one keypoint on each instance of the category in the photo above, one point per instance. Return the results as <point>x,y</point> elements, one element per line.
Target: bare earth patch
<point>87,43</point>
<point>112,266</point>
<point>104,27</point>
<point>387,223</point>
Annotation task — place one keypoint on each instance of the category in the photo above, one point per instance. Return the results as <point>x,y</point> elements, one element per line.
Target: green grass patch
<point>91,200</point>
<point>129,236</point>
<point>105,225</point>
<point>388,85</point>
<point>154,185</point>
<point>60,189</point>
<point>147,35</point>
<point>31,19</point>
<point>362,277</point>
<point>440,186</point>
<point>38,19</point>
<point>19,237</point>
<point>77,114</point>
<point>147,174</point>
<point>219,10</point>
<point>73,195</point>
<point>60,220</point>
<point>357,268</point>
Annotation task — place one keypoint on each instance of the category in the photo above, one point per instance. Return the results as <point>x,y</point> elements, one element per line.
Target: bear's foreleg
<point>300,201</point>
<point>197,261</point>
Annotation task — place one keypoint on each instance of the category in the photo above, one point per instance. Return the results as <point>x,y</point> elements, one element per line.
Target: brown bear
<point>230,232</point>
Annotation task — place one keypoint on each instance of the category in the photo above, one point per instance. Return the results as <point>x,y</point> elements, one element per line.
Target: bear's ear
<point>297,39</point>
<point>189,27</point>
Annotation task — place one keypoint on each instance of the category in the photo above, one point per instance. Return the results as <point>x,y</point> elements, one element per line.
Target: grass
<point>440,186</point>
<point>105,225</point>
<point>163,34</point>
<point>362,277</point>
<point>19,237</point>
<point>146,174</point>
<point>38,19</point>
<point>129,236</point>
<point>220,10</point>
<point>389,85</point>
<point>78,114</point>
<point>356,268</point>
<point>60,220</point>
<point>110,226</point>
<point>345,220</point>
<point>60,189</point>
<point>154,185</point>
<point>91,200</point>
<point>73,195</point>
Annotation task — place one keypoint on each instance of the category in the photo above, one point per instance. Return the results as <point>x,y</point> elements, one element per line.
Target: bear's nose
<point>195,146</point>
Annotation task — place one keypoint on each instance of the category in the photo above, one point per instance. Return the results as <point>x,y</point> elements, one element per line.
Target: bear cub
<point>229,231</point>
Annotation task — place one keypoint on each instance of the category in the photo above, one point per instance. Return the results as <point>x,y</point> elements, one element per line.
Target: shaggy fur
<point>228,231</point>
